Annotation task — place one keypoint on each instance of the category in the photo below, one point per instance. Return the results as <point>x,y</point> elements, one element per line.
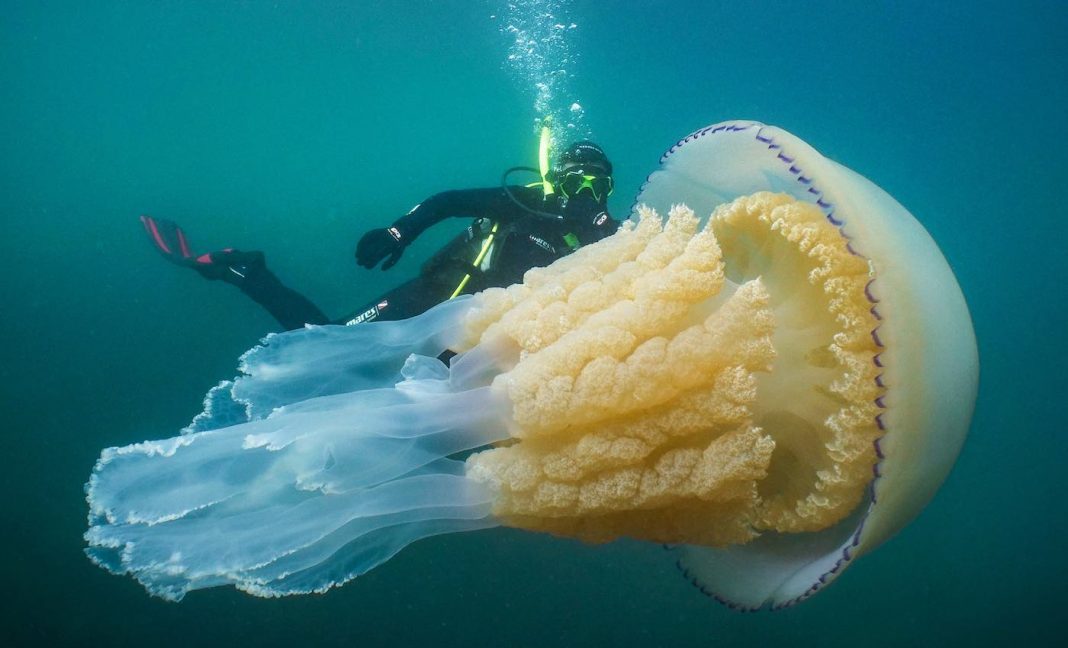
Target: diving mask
<point>573,181</point>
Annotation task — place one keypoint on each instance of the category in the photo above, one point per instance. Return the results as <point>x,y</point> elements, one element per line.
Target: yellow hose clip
<point>486,245</point>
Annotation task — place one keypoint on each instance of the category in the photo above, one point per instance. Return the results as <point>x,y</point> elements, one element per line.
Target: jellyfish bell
<point>754,386</point>
<point>927,361</point>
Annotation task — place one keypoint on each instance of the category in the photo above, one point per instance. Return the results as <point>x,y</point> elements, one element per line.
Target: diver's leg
<point>246,270</point>
<point>406,300</point>
<point>291,309</point>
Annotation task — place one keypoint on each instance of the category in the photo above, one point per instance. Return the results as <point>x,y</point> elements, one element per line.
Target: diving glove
<point>379,244</point>
<point>229,265</point>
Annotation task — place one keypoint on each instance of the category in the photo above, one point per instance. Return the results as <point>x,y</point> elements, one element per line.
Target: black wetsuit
<point>521,240</point>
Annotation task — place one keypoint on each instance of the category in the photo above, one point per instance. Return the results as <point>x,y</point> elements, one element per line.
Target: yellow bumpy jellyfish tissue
<point>656,397</point>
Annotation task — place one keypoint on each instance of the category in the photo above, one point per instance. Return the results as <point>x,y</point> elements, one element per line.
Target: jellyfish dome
<point>771,379</point>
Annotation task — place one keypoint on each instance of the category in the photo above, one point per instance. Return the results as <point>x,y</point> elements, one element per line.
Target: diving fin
<point>227,264</point>
<point>168,239</point>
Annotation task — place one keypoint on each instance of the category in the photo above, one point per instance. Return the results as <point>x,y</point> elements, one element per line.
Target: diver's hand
<point>379,244</point>
<point>582,208</point>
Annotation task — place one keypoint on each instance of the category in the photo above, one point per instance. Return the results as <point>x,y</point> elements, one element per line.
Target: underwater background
<point>292,128</point>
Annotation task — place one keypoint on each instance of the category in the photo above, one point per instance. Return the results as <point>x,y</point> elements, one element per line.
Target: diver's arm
<point>477,203</point>
<point>389,243</point>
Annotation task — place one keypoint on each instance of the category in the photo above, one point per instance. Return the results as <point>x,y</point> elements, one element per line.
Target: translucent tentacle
<point>318,361</point>
<point>315,489</point>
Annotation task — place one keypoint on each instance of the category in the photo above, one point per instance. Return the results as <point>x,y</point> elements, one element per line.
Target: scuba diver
<point>515,228</point>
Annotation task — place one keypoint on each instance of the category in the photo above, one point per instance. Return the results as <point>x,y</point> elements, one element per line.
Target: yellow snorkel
<point>543,156</point>
<point>543,161</point>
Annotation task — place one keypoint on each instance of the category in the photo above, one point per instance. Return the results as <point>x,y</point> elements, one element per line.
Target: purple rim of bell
<point>828,210</point>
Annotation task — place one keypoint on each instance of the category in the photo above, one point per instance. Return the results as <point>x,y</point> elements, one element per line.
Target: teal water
<point>294,127</point>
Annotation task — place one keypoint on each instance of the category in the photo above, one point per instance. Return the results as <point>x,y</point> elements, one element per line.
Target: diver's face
<point>575,181</point>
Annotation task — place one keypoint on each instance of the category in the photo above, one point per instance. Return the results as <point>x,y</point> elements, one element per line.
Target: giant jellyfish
<point>771,378</point>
